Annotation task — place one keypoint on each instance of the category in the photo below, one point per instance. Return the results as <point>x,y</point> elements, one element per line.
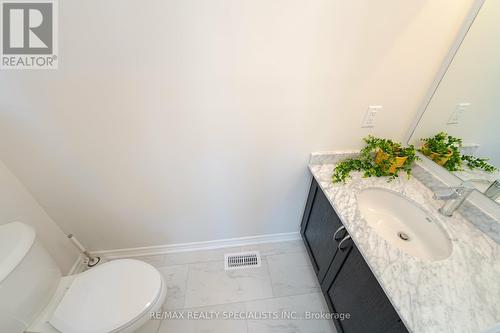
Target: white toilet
<point>117,296</point>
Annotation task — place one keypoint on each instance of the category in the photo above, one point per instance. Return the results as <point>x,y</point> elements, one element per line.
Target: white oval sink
<point>404,224</point>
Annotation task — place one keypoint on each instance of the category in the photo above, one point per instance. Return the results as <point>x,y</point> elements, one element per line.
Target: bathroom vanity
<point>388,253</point>
<point>346,280</point>
<point>385,287</point>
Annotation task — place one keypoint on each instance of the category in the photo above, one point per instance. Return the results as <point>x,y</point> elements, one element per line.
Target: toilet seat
<point>108,298</point>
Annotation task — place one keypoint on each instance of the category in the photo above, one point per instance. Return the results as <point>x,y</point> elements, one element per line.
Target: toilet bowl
<point>117,296</point>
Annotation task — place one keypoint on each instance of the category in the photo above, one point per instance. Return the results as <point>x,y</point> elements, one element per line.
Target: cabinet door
<point>343,250</point>
<point>318,228</point>
<point>356,291</point>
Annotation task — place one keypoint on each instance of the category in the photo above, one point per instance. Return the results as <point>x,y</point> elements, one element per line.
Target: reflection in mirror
<point>459,129</point>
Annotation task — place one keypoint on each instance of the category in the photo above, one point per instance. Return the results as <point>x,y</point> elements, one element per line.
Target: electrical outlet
<point>457,114</point>
<point>371,113</point>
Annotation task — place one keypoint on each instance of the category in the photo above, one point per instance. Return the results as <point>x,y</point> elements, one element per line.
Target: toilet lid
<point>108,297</point>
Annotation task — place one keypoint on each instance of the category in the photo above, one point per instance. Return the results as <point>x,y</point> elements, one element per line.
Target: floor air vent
<point>241,260</point>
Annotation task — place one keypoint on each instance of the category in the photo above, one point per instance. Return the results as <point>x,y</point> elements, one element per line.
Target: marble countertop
<point>458,294</point>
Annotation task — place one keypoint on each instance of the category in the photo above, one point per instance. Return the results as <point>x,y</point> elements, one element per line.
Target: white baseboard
<point>78,266</point>
<point>195,246</point>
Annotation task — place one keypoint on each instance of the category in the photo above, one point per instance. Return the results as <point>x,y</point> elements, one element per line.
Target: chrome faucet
<point>454,197</point>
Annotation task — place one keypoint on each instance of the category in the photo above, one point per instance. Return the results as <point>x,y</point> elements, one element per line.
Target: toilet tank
<point>28,277</point>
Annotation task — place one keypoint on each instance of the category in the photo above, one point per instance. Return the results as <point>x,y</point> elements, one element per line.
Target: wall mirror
<point>459,125</point>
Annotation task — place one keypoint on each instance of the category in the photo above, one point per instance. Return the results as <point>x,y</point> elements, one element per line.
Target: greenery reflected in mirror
<point>444,149</point>
<point>459,129</point>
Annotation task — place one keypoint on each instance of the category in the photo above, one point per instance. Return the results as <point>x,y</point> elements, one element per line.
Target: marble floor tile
<point>197,281</point>
<point>209,284</point>
<point>151,326</point>
<point>192,257</point>
<point>299,305</point>
<point>292,274</point>
<point>156,260</point>
<point>215,325</point>
<point>270,249</point>
<point>175,278</point>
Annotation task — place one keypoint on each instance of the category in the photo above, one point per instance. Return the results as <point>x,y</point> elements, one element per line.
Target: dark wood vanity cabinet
<point>319,225</point>
<point>354,289</point>
<point>346,280</point>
